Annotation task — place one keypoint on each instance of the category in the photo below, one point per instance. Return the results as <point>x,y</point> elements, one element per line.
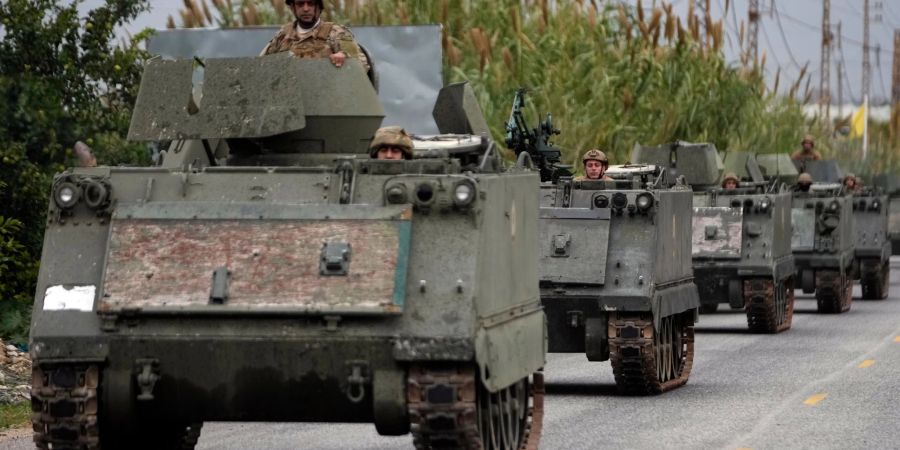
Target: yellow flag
<point>858,122</point>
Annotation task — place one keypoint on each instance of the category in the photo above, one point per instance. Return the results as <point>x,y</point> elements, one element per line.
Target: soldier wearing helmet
<point>807,152</point>
<point>595,165</point>
<point>804,181</point>
<point>730,181</point>
<point>309,37</point>
<point>391,143</point>
<point>851,183</point>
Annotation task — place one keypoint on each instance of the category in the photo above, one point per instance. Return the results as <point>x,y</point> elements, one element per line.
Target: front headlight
<point>464,193</point>
<point>875,206</point>
<point>644,201</point>
<point>396,194</point>
<point>764,205</point>
<point>66,195</point>
<point>834,206</point>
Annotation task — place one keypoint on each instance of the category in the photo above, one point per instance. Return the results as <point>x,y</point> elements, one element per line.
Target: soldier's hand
<point>338,58</point>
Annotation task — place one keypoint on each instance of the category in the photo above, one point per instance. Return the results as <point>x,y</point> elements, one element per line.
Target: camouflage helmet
<point>392,137</point>
<point>809,138</point>
<point>804,178</point>
<point>730,176</point>
<point>319,3</point>
<point>596,155</point>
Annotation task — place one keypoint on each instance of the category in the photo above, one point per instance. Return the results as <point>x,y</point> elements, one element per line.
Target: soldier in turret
<point>595,165</point>
<point>807,152</point>
<point>391,143</point>
<point>309,37</point>
<point>730,181</point>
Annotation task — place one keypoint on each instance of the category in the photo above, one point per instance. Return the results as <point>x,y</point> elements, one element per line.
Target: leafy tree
<point>63,78</point>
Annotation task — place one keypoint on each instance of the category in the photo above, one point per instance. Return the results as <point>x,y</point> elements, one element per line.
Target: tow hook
<point>356,381</point>
<point>147,373</point>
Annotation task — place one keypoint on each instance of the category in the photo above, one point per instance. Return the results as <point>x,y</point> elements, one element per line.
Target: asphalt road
<point>831,382</point>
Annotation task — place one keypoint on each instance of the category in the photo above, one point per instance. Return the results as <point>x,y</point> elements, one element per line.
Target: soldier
<point>807,153</point>
<point>595,165</point>
<point>310,37</point>
<point>730,181</point>
<point>391,143</point>
<point>851,183</point>
<point>804,181</point>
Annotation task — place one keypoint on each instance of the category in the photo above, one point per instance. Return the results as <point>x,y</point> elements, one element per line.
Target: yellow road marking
<point>897,339</point>
<point>867,363</point>
<point>812,401</point>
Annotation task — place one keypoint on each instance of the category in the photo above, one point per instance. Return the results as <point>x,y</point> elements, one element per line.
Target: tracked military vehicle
<point>823,238</point>
<point>616,280</point>
<point>615,277</point>
<point>269,270</point>
<point>873,245</point>
<point>890,184</point>
<point>740,250</point>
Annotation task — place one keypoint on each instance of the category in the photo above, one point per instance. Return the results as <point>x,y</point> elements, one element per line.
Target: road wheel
<point>769,306</point>
<point>876,287</point>
<point>450,408</point>
<point>647,360</point>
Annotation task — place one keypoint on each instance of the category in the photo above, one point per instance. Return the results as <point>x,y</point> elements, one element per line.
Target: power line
<point>818,29</point>
<point>783,36</point>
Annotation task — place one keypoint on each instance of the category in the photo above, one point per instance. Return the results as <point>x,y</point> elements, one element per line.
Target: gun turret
<point>535,142</point>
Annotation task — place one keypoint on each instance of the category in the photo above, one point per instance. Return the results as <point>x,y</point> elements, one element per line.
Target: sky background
<point>789,33</point>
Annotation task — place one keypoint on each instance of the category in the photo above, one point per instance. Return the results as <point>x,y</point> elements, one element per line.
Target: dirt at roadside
<point>15,375</point>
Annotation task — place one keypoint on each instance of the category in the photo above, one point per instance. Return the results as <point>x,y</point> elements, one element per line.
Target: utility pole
<point>825,69</point>
<point>866,66</point>
<point>895,85</point>
<point>840,75</point>
<point>753,31</point>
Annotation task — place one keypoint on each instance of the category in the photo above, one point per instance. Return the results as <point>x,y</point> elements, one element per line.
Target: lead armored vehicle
<point>823,238</point>
<point>740,250</point>
<point>873,245</point>
<point>269,270</point>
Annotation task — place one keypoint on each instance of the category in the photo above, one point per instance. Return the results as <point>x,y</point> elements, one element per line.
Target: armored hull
<point>338,288</point>
<point>616,282</point>
<point>742,255</point>
<point>873,245</point>
<point>823,245</point>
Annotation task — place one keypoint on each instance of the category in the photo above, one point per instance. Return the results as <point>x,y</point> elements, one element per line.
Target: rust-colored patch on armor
<point>273,264</point>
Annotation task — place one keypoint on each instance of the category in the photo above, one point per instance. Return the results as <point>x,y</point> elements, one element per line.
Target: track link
<point>64,406</point>
<point>633,353</point>
<point>834,292</point>
<point>443,409</point>
<point>769,305</point>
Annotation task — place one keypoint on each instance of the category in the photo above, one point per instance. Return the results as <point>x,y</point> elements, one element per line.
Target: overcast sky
<point>789,32</point>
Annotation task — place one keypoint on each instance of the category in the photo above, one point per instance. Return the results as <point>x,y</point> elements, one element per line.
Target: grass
<point>14,416</point>
<point>611,76</point>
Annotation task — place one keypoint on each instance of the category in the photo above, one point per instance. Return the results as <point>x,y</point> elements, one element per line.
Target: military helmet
<point>810,138</point>
<point>319,3</point>
<point>392,137</point>
<point>595,155</point>
<point>730,176</point>
<point>804,178</point>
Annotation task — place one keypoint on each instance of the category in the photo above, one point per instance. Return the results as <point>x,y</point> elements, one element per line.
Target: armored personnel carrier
<point>890,184</point>
<point>616,280</point>
<point>741,250</point>
<point>873,245</point>
<point>823,238</point>
<point>269,270</point>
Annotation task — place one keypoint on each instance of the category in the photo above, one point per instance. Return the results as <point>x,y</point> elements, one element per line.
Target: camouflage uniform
<point>322,41</point>
<point>802,155</point>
